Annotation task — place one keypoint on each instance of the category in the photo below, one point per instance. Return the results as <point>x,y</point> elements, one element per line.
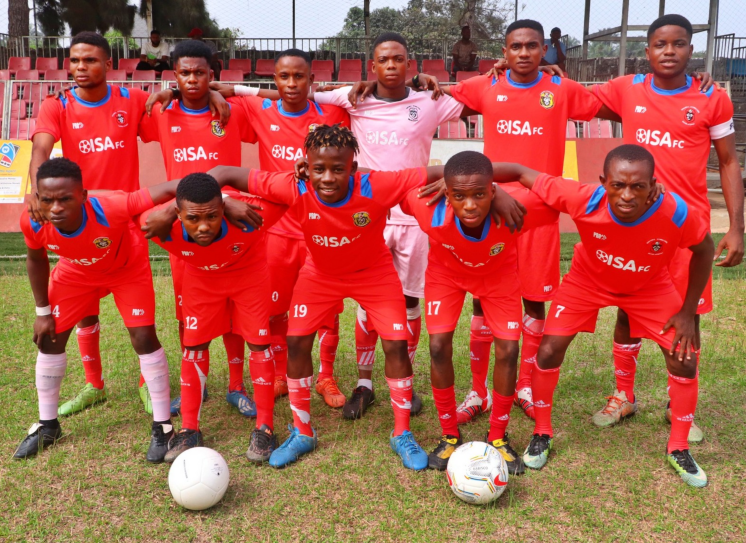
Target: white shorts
<point>408,246</point>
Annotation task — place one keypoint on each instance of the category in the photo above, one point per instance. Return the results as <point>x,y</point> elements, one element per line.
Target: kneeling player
<point>622,260</point>
<point>99,255</point>
<point>224,290</point>
<point>468,253</point>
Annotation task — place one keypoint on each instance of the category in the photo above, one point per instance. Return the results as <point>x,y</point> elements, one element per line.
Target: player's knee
<point>300,345</point>
<point>506,352</point>
<point>682,368</point>
<point>440,349</point>
<point>395,350</point>
<point>550,354</point>
<point>144,339</point>
<point>85,322</point>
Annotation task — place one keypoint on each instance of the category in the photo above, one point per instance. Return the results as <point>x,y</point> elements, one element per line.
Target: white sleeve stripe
<point>721,130</point>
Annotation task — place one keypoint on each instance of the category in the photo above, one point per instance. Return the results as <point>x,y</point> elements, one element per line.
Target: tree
<point>177,17</point>
<point>80,15</point>
<point>18,17</point>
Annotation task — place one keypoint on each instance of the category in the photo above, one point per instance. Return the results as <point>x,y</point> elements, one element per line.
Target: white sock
<point>414,312</point>
<point>154,368</point>
<point>50,369</point>
<point>361,314</point>
<point>367,383</point>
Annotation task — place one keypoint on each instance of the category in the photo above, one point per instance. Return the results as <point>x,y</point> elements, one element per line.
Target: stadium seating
<point>18,109</point>
<point>56,75</point>
<point>46,63</point>
<point>4,75</point>
<point>28,91</point>
<point>116,75</point>
<point>146,76</point>
<point>441,75</point>
<point>66,64</point>
<point>323,75</point>
<point>168,75</point>
<point>243,64</point>
<point>369,65</point>
<point>597,128</point>
<point>265,67</point>
<point>351,65</point>
<point>452,130</point>
<point>21,129</point>
<point>371,76</point>
<point>348,75</point>
<point>462,76</point>
<point>572,130</point>
<point>129,65</point>
<point>322,66</point>
<point>486,64</point>
<point>19,63</point>
<point>434,65</point>
<point>231,75</point>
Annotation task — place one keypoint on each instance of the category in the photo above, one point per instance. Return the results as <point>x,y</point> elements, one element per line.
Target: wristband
<point>43,311</point>
<point>176,93</point>
<point>243,90</point>
<point>416,81</point>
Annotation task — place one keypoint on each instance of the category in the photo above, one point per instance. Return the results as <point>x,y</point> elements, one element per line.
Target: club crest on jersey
<point>235,248</point>
<point>361,218</point>
<point>689,115</point>
<point>655,246</point>
<point>497,248</point>
<point>121,118</point>
<point>217,129</point>
<point>546,99</point>
<point>102,242</point>
<point>413,114</point>
<point>312,127</point>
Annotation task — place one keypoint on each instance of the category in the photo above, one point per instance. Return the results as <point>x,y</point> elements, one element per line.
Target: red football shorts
<point>72,298</point>
<point>679,270</point>
<point>500,298</point>
<point>538,262</point>
<point>576,304</point>
<point>237,301</point>
<point>285,258</point>
<point>377,289</point>
<point>177,276</point>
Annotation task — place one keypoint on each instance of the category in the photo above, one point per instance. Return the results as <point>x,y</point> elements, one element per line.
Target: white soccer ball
<point>477,473</point>
<point>198,478</point>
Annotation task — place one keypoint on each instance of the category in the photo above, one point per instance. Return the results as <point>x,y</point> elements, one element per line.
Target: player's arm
<point>217,104</point>
<point>732,184</point>
<point>683,322</point>
<point>40,151</point>
<point>505,172</point>
<point>37,268</point>
<point>229,91</point>
<point>275,187</point>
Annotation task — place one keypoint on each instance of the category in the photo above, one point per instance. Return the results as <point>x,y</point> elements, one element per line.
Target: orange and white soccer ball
<point>198,478</point>
<point>477,473</point>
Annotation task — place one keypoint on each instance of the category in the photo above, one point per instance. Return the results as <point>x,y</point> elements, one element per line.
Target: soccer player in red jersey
<point>627,245</point>
<point>468,253</point>
<point>98,256</point>
<point>668,114</point>
<point>224,288</point>
<point>193,140</point>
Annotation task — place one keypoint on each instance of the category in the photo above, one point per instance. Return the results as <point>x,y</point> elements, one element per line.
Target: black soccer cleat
<point>361,399</point>
<point>160,437</point>
<point>438,459</point>
<point>186,439</point>
<point>416,404</point>
<point>263,443</point>
<point>38,438</point>
<point>512,458</point>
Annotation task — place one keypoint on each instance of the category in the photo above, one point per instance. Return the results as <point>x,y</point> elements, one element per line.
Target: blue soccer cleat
<point>176,403</point>
<point>412,455</point>
<point>239,399</point>
<point>294,447</point>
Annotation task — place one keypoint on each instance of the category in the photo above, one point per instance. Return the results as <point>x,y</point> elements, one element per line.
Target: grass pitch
<point>599,485</point>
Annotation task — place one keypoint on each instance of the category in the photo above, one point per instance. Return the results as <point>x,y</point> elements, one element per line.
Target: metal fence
<point>730,62</point>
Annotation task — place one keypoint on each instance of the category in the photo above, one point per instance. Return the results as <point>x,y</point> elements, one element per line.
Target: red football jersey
<point>233,249</point>
<point>101,137</point>
<point>527,122</point>
<point>101,246</point>
<point>492,252</point>
<point>346,236</point>
<point>281,135</point>
<point>193,141</point>
<point>622,257</point>
<point>677,127</point>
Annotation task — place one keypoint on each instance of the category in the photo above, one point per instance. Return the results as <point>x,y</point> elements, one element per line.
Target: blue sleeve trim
<point>249,228</point>
<point>639,78</point>
<point>266,103</point>
<point>98,211</point>
<point>595,199</point>
<point>557,80</point>
<point>302,188</point>
<point>125,92</point>
<point>681,212</point>
<point>709,91</point>
<point>35,226</point>
<point>439,215</point>
<point>365,188</point>
<point>318,108</point>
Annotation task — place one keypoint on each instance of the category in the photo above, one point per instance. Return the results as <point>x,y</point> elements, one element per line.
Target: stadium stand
<point>21,129</point>
<point>66,64</point>
<point>323,75</point>
<point>485,65</point>
<point>129,65</point>
<point>462,76</point>
<point>597,128</point>
<point>4,75</point>
<point>433,65</point>
<point>18,63</point>
<point>116,75</point>
<point>46,63</point>
<point>265,67</point>
<point>322,66</point>
<point>231,75</point>
<point>572,130</point>
<point>351,65</point>
<point>18,109</point>
<point>168,75</point>
<point>146,77</point>
<point>348,75</point>
<point>56,75</point>
<point>243,64</point>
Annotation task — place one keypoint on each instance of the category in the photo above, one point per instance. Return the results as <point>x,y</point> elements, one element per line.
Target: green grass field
<point>610,485</point>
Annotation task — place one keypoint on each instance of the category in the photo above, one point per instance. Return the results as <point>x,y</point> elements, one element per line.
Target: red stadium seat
<point>243,64</point>
<point>411,73</point>
<point>349,75</point>
<point>351,65</point>
<point>231,75</point>
<point>265,67</point>
<point>486,64</point>
<point>441,75</point>
<point>572,130</point>
<point>28,91</point>
<point>116,75</point>
<point>19,63</point>
<point>66,64</point>
<point>56,75</point>
<point>4,75</point>
<point>452,130</point>
<point>462,76</point>
<point>323,76</point>
<point>429,66</point>
<point>18,109</point>
<point>369,65</point>
<point>371,76</point>
<point>22,129</point>
<point>46,63</point>
<point>322,66</point>
<point>28,75</point>
<point>597,128</point>
<point>146,76</point>
<point>129,65</point>
<point>168,75</point>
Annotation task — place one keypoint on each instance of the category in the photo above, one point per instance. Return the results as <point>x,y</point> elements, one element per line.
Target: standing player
<point>224,288</point>
<point>668,114</point>
<point>623,260</point>
<point>192,140</point>
<point>470,254</point>
<point>99,255</point>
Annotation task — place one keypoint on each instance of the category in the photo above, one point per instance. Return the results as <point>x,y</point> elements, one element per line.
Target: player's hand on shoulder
<point>240,213</point>
<point>507,210</point>
<point>732,241</point>
<point>428,82</point>
<point>159,222</point>
<point>218,106</point>
<point>301,169</point>
<point>552,70</point>
<point>328,88</point>
<point>58,94</point>
<point>44,326</point>
<point>685,337</point>
<point>438,188</point>
<point>498,69</point>
<point>706,81</point>
<point>360,91</point>
<point>34,211</point>
<point>658,191</point>
<point>163,98</point>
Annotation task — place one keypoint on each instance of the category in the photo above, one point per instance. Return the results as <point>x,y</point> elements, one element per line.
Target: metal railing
<point>729,62</point>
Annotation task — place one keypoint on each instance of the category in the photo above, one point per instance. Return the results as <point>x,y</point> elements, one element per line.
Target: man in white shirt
<point>154,54</point>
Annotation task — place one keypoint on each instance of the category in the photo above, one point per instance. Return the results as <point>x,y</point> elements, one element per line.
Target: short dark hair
<point>192,49</point>
<point>390,36</point>
<point>555,28</point>
<point>525,23</point>
<point>198,188</point>
<point>629,152</point>
<point>294,53</point>
<point>92,38</point>
<point>155,31</point>
<point>336,136</point>
<point>60,168</point>
<point>671,19</point>
<point>467,163</point>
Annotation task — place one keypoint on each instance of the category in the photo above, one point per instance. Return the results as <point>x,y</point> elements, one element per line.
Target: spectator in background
<point>216,66</point>
<point>555,50</point>
<point>154,54</point>
<point>464,53</point>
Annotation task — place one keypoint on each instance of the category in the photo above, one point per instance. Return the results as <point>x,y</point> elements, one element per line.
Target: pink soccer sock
<point>234,348</point>
<point>262,368</point>
<point>500,416</point>
<point>533,331</point>
<point>543,383</point>
<point>401,401</point>
<point>50,369</point>
<point>480,342</point>
<point>90,354</point>
<point>328,342</point>
<point>366,338</point>
<point>445,403</point>
<point>300,403</point>
<point>154,369</point>
<point>625,366</point>
<point>195,366</point>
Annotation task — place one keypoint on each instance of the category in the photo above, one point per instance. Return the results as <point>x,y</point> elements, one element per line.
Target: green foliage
<point>79,15</point>
<point>178,17</point>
